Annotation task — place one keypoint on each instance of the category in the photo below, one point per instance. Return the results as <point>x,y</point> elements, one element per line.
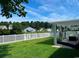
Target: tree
<point>25,24</point>
<point>9,7</point>
<point>17,26</point>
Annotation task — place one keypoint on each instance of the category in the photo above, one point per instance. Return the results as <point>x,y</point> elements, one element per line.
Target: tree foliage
<point>9,7</point>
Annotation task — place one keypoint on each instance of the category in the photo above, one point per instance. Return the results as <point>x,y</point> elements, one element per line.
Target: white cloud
<point>37,15</point>
<point>43,8</point>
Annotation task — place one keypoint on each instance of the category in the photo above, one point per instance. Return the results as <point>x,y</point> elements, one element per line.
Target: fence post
<point>28,36</point>
<point>3,38</point>
<point>24,36</point>
<point>15,37</point>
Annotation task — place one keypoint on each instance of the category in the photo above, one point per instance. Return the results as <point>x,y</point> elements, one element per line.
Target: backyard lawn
<point>37,48</point>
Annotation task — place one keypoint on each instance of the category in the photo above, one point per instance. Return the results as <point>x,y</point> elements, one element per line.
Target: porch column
<point>65,29</point>
<point>60,33</point>
<point>54,33</point>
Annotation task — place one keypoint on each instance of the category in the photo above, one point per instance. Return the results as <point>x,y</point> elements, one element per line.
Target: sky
<point>48,10</point>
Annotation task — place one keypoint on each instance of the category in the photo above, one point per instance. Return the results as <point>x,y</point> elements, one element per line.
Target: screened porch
<point>66,33</point>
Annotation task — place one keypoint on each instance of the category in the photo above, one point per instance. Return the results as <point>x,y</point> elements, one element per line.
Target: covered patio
<point>66,33</point>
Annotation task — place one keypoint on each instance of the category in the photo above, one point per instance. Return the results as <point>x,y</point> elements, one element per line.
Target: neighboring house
<point>29,29</point>
<point>5,27</point>
<point>49,30</point>
<point>41,29</point>
<point>10,27</point>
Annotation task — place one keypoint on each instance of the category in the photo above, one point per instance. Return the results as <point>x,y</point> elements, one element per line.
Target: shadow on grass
<point>4,49</point>
<point>65,53</point>
<point>61,52</point>
<point>49,41</point>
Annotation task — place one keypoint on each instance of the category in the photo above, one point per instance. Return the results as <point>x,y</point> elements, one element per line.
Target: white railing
<point>21,37</point>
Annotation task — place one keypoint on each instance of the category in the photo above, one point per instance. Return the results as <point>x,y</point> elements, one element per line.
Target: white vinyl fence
<point>21,37</point>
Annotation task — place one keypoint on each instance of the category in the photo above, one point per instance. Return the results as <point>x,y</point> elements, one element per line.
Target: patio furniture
<point>73,38</point>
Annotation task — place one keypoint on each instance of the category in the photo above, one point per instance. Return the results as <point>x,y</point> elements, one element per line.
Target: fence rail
<point>20,37</point>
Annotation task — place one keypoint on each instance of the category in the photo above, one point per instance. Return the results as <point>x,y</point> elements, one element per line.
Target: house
<point>41,29</point>
<point>5,27</point>
<point>10,27</point>
<point>29,29</point>
<point>49,30</point>
<point>64,36</point>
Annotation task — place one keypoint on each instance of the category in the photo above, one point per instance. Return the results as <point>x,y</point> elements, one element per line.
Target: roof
<point>29,28</point>
<point>67,23</point>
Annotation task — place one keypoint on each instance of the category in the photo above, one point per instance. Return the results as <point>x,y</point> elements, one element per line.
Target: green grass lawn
<point>37,48</point>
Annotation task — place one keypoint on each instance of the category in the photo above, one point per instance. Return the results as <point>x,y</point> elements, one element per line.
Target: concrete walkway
<point>61,46</point>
